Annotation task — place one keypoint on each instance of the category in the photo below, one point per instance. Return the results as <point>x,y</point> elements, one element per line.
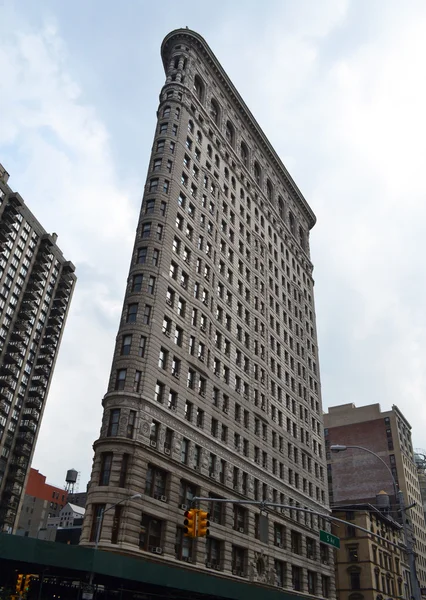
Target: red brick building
<point>41,501</point>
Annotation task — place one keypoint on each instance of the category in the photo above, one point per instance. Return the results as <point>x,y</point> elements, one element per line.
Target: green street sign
<point>329,539</point>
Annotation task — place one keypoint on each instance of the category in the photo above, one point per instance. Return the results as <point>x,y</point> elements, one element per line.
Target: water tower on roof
<point>71,480</point>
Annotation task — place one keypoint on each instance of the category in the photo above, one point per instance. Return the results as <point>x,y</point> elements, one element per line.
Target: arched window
<point>292,223</point>
<point>214,111</point>
<point>190,127</point>
<point>281,207</point>
<point>230,133</point>
<point>198,88</point>
<point>244,154</point>
<point>269,190</point>
<point>257,173</point>
<point>166,111</point>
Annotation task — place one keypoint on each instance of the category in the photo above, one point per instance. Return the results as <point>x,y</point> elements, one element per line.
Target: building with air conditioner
<point>215,386</point>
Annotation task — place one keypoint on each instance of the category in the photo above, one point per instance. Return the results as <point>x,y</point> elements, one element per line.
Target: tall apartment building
<point>214,387</point>
<point>355,475</point>
<point>36,284</point>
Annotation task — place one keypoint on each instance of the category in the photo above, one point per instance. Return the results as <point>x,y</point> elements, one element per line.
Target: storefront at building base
<point>62,572</point>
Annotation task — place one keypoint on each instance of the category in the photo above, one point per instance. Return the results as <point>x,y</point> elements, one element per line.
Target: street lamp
<point>400,496</point>
<point>99,528</point>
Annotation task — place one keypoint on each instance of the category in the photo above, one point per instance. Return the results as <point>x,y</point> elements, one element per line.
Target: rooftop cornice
<point>242,109</point>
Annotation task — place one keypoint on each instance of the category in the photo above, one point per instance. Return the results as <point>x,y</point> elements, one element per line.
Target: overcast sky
<point>339,87</point>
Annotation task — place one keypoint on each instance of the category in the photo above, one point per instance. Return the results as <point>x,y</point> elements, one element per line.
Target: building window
<point>156,482</point>
<point>183,546</point>
<point>240,518</point>
<point>150,534</point>
<point>132,311</point>
<point>123,470</point>
<point>131,424</point>
<point>114,420</point>
<point>116,524</point>
<point>151,285</point>
<point>153,184</point>
<point>279,535</point>
<point>213,552</point>
<point>184,451</point>
<point>126,344</point>
<point>216,510</point>
<point>296,576</point>
<point>120,382</point>
<point>146,230</point>
<point>326,586</point>
<point>155,256</point>
<point>312,583</point>
<point>296,542</point>
<point>354,580</point>
<point>280,571</point>
<point>98,511</point>
<point>137,283</point>
<point>187,492</point>
<point>238,560</point>
<point>142,346</point>
<point>352,553</point>
<point>142,254</point>
<point>106,463</point>
<point>137,382</point>
<point>147,314</point>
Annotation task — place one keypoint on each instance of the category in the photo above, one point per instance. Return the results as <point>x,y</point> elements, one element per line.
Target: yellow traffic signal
<point>190,523</point>
<point>19,582</point>
<point>203,523</point>
<point>28,579</point>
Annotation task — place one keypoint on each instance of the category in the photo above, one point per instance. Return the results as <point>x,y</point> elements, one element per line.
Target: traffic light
<point>190,523</point>
<point>28,579</point>
<point>203,523</point>
<point>19,582</point>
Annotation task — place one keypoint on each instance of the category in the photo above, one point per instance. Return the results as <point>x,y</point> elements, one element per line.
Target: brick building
<point>215,387</point>
<point>36,286</point>
<point>356,476</point>
<point>368,567</point>
<point>41,502</point>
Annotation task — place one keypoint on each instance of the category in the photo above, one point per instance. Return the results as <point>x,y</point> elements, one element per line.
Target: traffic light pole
<point>264,504</point>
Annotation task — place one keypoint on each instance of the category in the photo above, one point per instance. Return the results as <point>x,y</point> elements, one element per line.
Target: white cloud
<point>58,153</point>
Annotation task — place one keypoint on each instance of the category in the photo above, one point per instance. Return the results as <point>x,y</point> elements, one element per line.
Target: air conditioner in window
<point>217,567</point>
<point>241,529</point>
<point>234,572</point>
<point>175,374</point>
<point>163,498</point>
<point>167,333</point>
<point>183,506</point>
<point>212,474</point>
<point>217,373</point>
<point>208,565</point>
<point>152,548</point>
<point>245,396</point>
<point>153,443</point>
<point>159,550</point>
<point>173,408</point>
<point>235,488</point>
<point>205,302</point>
<point>238,390</point>
<point>166,450</point>
<point>225,410</point>
<point>196,468</point>
<point>203,394</point>
<point>203,328</point>
<point>201,357</point>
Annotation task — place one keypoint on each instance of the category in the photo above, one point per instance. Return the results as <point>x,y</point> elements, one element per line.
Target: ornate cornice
<point>242,109</point>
